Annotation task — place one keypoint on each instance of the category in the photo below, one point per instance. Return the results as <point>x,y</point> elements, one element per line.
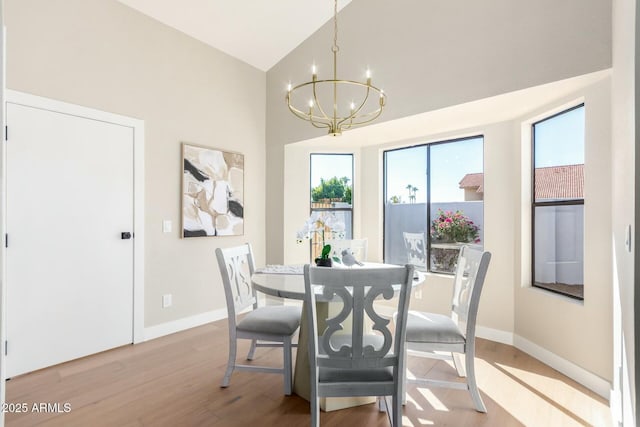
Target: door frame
<point>137,125</point>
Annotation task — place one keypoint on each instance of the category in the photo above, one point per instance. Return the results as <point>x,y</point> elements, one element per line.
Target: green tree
<point>333,188</point>
<point>347,195</point>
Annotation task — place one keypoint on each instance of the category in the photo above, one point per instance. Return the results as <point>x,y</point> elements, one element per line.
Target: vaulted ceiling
<point>258,32</point>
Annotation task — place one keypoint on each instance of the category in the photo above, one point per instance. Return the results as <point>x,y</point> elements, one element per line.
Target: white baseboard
<point>576,373</point>
<point>494,335</point>
<point>616,408</point>
<point>174,326</point>
<point>593,382</point>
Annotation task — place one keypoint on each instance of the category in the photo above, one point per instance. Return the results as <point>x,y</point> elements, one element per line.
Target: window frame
<point>312,209</point>
<point>385,196</point>
<point>535,204</point>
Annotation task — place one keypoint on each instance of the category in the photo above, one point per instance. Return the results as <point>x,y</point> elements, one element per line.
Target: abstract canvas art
<point>212,192</point>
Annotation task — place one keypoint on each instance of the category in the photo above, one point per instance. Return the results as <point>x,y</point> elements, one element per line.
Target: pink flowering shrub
<point>453,227</point>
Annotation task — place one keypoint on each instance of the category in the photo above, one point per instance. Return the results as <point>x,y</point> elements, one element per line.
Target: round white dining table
<point>288,282</point>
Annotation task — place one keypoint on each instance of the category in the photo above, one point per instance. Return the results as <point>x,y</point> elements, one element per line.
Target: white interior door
<point>69,272</point>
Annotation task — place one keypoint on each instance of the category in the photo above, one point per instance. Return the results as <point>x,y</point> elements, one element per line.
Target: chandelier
<point>317,101</point>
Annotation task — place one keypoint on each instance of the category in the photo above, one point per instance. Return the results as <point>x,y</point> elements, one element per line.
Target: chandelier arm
<point>355,112</point>
<point>315,99</point>
<point>301,114</point>
<point>298,113</point>
<point>320,125</point>
<point>369,118</point>
<point>307,117</point>
<point>374,115</point>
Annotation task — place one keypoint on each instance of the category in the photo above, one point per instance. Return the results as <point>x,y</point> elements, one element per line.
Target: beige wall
<point>436,294</point>
<point>565,327</point>
<point>101,54</point>
<point>624,204</point>
<point>492,48</point>
<point>428,55</point>
<point>510,309</point>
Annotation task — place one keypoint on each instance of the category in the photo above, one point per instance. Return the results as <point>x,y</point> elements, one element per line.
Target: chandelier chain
<point>335,46</point>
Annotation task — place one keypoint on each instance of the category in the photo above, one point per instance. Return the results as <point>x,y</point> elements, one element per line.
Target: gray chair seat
<point>271,326</point>
<point>433,328</point>
<point>431,334</point>
<point>277,320</point>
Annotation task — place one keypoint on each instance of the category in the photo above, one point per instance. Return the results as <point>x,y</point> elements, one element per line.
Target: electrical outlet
<point>166,226</point>
<point>418,294</point>
<point>166,301</point>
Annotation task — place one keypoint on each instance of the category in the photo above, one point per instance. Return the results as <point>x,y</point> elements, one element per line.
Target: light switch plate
<point>166,301</point>
<point>627,238</point>
<point>166,226</point>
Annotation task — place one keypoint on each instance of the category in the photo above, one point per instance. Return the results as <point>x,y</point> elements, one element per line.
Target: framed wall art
<point>212,192</point>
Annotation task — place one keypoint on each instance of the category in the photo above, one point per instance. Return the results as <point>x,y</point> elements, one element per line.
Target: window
<point>332,192</point>
<point>558,203</point>
<point>433,202</point>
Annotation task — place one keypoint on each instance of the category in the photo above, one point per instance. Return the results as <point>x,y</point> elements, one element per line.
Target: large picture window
<point>558,203</point>
<point>332,193</point>
<point>433,203</point>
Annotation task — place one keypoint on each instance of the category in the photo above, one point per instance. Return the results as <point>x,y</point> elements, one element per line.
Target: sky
<point>450,162</point>
<point>558,141</point>
<point>329,165</point>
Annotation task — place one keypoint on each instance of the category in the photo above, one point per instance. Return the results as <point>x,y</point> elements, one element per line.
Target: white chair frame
<point>365,358</point>
<point>241,295</point>
<point>467,288</point>
<point>415,243</point>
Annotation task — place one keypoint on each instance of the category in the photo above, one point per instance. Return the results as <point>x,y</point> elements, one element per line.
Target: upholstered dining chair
<point>344,359</point>
<point>357,247</point>
<point>416,248</point>
<point>455,333</point>
<point>269,326</point>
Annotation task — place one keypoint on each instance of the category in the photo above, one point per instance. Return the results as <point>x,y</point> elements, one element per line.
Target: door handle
<point>125,235</point>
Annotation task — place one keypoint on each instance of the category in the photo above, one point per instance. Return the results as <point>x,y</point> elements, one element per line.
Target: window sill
<point>555,295</point>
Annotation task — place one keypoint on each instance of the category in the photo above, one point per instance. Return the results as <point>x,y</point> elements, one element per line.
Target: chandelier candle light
<point>343,115</point>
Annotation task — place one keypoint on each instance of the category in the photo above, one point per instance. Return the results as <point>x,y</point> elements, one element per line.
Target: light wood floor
<point>174,381</point>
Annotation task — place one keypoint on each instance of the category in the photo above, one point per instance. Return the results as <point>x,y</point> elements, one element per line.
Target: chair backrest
<point>339,346</point>
<point>358,247</point>
<point>471,270</point>
<point>236,267</point>
<point>416,247</point>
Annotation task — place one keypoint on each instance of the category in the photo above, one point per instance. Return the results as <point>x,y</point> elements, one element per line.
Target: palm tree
<point>412,193</point>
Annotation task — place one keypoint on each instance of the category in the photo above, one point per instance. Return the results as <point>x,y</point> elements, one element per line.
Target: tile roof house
<point>553,182</point>
<point>560,182</point>
<point>472,184</point>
